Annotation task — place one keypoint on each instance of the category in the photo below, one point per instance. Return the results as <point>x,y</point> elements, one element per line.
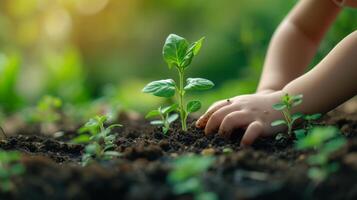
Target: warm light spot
<point>90,7</point>
<point>58,24</point>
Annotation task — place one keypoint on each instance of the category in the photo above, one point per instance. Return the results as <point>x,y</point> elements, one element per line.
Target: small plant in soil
<point>179,53</point>
<point>9,167</point>
<point>285,106</point>
<point>325,141</point>
<point>47,110</point>
<point>100,140</point>
<point>166,118</point>
<point>186,176</point>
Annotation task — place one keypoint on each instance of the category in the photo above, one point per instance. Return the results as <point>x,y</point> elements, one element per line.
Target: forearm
<point>295,42</point>
<point>331,82</point>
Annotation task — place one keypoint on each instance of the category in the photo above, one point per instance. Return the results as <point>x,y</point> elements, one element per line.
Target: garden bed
<point>269,169</point>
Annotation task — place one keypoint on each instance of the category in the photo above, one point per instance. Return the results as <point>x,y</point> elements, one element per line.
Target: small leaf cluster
<point>9,167</point>
<point>166,118</point>
<point>48,110</point>
<point>325,141</point>
<point>179,53</point>
<point>186,176</point>
<point>285,106</point>
<point>100,140</point>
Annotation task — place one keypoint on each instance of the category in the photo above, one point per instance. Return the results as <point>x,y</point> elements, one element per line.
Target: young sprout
<point>165,117</point>
<point>325,140</point>
<point>9,167</point>
<point>186,176</point>
<point>178,53</point>
<point>285,106</point>
<point>308,125</point>
<point>47,110</point>
<point>100,140</point>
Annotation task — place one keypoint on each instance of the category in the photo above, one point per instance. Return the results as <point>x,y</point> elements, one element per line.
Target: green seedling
<point>178,53</point>
<point>9,167</point>
<point>48,110</point>
<point>186,176</point>
<point>100,140</point>
<point>165,117</point>
<point>325,141</point>
<point>308,125</point>
<point>285,106</point>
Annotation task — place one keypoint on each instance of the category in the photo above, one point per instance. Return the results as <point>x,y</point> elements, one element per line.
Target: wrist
<point>265,91</point>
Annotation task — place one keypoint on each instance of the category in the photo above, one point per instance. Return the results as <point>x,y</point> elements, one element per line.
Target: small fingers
<point>253,131</point>
<point>202,121</point>
<point>233,121</point>
<point>217,117</point>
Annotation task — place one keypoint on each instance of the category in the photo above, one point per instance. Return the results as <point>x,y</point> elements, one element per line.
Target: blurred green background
<point>80,50</point>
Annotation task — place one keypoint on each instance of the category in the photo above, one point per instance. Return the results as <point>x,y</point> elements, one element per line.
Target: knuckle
<point>214,117</point>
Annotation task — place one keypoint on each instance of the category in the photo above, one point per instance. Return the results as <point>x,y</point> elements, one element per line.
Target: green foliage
<point>99,140</point>
<point>9,167</point>
<point>48,110</point>
<point>285,106</point>
<point>165,117</point>
<point>9,73</point>
<point>325,140</point>
<point>186,176</point>
<point>178,53</point>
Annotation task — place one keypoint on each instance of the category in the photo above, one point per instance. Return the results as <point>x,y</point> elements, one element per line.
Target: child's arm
<point>332,81</point>
<point>286,60</point>
<point>295,42</point>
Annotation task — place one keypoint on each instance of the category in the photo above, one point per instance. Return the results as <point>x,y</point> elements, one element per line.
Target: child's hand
<point>251,112</point>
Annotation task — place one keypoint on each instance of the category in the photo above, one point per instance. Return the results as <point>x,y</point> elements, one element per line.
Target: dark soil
<point>268,170</point>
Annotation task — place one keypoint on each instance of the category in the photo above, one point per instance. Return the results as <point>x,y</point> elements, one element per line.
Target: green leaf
<point>162,88</point>
<point>297,102</point>
<point>198,84</point>
<point>169,109</point>
<point>317,137</point>
<point>187,60</point>
<point>84,138</point>
<point>296,116</point>
<point>279,106</point>
<point>313,116</point>
<point>157,122</point>
<point>114,125</point>
<point>175,50</point>
<point>333,145</point>
<point>297,97</point>
<point>189,166</point>
<point>91,148</point>
<point>193,106</point>
<point>172,118</point>
<point>165,129</point>
<point>300,134</point>
<point>153,113</point>
<point>278,122</point>
<point>207,196</point>
<point>196,46</point>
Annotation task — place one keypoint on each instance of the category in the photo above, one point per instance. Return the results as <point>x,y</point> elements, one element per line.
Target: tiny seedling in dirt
<point>48,110</point>
<point>308,125</point>
<point>178,53</point>
<point>285,106</point>
<point>166,118</point>
<point>325,141</point>
<point>100,140</point>
<point>9,167</point>
<point>186,176</point>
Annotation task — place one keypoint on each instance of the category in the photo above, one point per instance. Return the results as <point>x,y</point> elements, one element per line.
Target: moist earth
<point>267,170</point>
